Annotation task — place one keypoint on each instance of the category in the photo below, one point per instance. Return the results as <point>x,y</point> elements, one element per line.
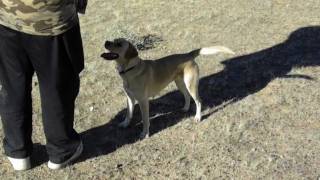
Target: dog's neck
<point>124,68</point>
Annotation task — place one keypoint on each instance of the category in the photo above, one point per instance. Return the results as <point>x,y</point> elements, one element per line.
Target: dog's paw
<point>124,124</point>
<point>143,135</point>
<point>197,118</point>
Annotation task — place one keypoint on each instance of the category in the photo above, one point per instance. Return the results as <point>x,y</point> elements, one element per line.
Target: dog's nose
<point>107,44</point>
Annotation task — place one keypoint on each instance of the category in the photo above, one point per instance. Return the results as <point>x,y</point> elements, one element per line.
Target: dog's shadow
<point>240,77</point>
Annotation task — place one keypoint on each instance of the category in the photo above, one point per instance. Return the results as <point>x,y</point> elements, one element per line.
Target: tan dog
<point>143,78</point>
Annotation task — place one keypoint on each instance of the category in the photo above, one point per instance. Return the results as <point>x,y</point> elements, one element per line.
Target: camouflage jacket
<point>39,17</point>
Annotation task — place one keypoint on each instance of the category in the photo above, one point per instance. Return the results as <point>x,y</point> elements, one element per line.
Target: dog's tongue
<point>110,56</point>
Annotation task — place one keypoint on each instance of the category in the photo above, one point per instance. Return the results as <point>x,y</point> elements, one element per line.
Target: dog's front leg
<point>144,108</point>
<point>130,108</point>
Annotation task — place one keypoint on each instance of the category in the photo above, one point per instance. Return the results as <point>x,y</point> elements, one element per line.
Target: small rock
<point>91,108</point>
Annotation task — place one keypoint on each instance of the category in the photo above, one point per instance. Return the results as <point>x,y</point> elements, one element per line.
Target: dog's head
<point>119,50</point>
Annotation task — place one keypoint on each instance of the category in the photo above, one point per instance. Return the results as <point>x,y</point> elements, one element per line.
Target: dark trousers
<point>57,62</point>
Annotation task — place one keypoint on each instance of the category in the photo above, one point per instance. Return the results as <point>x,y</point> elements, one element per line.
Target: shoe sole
<point>70,160</point>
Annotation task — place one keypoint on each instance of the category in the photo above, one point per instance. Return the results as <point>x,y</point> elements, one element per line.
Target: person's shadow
<point>241,77</point>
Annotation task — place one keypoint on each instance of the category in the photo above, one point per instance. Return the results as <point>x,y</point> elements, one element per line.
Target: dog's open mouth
<point>110,56</point>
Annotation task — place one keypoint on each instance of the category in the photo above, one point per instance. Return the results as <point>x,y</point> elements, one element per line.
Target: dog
<point>145,78</point>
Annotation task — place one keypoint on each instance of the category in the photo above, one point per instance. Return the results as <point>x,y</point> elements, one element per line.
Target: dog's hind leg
<point>182,87</point>
<point>130,108</point>
<point>191,80</point>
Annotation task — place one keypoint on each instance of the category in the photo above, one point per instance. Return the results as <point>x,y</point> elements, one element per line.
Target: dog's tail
<point>210,51</point>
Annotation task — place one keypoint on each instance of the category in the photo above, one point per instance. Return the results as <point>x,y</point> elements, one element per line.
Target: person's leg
<point>16,74</point>
<point>59,87</point>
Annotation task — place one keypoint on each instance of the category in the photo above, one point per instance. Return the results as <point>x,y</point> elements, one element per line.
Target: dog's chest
<point>129,89</point>
<point>126,85</point>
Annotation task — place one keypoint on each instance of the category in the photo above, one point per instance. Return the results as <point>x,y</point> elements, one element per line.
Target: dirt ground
<point>260,107</point>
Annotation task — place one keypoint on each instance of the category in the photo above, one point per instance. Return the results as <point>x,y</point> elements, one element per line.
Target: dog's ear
<point>131,52</point>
